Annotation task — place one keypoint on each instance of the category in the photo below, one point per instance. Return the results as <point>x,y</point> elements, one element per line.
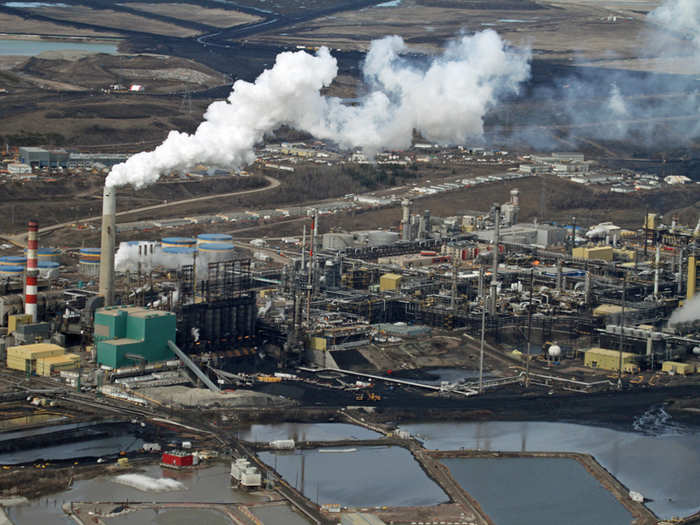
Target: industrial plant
<point>327,276</point>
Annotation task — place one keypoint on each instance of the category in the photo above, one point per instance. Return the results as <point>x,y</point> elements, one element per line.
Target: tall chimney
<point>109,206</point>
<point>405,220</point>
<point>30,306</point>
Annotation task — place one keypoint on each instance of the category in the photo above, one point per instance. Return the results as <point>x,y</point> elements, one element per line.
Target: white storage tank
<point>178,242</point>
<point>48,269</point>
<point>381,238</point>
<point>89,262</point>
<point>174,258</point>
<point>214,238</point>
<point>13,260</point>
<point>11,272</point>
<point>215,252</point>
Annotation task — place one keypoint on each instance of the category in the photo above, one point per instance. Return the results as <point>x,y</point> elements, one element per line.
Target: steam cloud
<point>651,109</point>
<point>145,256</point>
<point>689,312</point>
<point>446,102</point>
<point>682,17</point>
<point>149,484</point>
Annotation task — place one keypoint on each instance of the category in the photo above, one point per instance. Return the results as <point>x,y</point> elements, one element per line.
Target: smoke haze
<point>689,312</point>
<point>445,101</point>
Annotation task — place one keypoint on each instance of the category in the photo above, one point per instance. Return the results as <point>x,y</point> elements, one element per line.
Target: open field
<point>88,120</point>
<point>115,20</point>
<point>212,17</point>
<point>18,25</point>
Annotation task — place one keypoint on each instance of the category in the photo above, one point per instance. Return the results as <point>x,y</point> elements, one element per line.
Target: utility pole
<point>529,328</point>
<point>481,350</point>
<point>453,293</point>
<point>622,328</point>
<point>494,275</point>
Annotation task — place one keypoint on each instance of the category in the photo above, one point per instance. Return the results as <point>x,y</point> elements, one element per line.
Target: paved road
<point>21,241</point>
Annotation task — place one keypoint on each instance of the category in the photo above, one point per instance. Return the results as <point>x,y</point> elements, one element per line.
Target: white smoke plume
<point>680,16</point>
<point>149,484</point>
<point>689,312</point>
<point>446,102</point>
<point>147,255</point>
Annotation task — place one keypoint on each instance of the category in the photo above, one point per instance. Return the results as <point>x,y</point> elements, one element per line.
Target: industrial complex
<point>327,276</point>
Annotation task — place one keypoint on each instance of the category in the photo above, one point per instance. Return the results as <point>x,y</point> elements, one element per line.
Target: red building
<point>177,459</point>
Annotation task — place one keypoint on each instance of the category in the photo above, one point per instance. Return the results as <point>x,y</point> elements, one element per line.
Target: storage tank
<point>215,252</point>
<point>48,269</point>
<point>175,258</point>
<point>214,238</point>
<point>89,262</point>
<point>178,242</point>
<point>554,351</point>
<point>381,238</point>
<point>11,271</point>
<point>13,260</point>
<point>48,254</point>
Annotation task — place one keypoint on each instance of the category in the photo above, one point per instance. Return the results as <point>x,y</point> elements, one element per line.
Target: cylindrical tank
<point>178,242</point>
<point>11,271</point>
<point>177,257</point>
<point>47,254</point>
<point>89,261</point>
<point>214,238</point>
<point>381,238</point>
<point>13,260</point>
<point>48,269</point>
<point>215,252</point>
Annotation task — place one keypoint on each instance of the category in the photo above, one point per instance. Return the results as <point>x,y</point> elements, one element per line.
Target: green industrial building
<point>122,330</point>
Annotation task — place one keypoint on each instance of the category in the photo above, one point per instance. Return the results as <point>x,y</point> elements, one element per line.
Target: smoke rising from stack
<point>689,312</point>
<point>446,102</point>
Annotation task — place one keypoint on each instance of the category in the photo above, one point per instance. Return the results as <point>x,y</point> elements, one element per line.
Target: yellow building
<point>598,253</point>
<point>389,282</point>
<point>605,359</point>
<point>53,365</point>
<point>606,309</point>
<point>674,367</point>
<point>25,357</point>
<point>13,321</point>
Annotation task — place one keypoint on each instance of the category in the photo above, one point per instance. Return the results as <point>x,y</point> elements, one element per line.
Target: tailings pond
<point>68,441</point>
<point>36,47</point>
<point>546,491</point>
<point>357,477</point>
<point>210,484</point>
<point>657,457</point>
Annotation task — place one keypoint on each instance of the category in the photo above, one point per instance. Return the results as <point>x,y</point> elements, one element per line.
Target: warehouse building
<point>605,359</point>
<point>41,358</point>
<point>128,334</point>
<point>43,158</point>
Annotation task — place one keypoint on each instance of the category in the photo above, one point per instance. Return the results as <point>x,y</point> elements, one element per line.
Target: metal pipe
<point>657,269</point>
<point>109,206</point>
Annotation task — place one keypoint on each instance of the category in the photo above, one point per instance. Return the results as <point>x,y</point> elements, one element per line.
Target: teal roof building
<point>122,330</point>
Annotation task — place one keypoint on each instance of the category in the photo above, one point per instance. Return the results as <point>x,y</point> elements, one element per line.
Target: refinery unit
<point>542,293</point>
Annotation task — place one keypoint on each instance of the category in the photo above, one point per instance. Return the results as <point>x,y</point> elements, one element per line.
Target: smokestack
<point>30,306</point>
<point>109,206</point>
<point>405,220</point>
<point>690,292</point>
<point>515,197</point>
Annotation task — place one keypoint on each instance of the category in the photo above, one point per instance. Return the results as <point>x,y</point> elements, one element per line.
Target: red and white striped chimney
<point>30,306</point>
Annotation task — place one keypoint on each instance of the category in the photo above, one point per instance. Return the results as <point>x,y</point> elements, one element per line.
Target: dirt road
<point>21,240</point>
